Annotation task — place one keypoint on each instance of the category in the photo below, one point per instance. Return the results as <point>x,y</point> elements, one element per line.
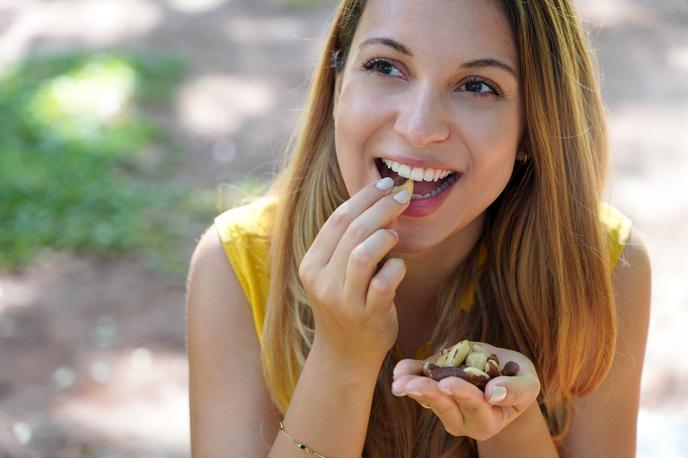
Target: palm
<point>464,409</point>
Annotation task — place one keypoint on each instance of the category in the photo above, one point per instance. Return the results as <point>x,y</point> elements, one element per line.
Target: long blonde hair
<point>544,288</point>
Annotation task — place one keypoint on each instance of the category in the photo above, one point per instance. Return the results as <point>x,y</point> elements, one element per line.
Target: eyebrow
<point>387,42</point>
<point>477,63</point>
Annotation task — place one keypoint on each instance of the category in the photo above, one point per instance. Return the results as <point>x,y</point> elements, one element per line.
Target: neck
<point>426,271</point>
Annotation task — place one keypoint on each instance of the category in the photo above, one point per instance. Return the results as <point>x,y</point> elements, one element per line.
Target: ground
<point>92,348</point>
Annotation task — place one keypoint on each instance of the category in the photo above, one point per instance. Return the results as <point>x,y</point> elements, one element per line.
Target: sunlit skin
<point>433,105</point>
<point>428,106</point>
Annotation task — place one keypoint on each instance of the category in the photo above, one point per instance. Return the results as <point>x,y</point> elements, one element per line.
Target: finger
<point>518,391</point>
<point>362,262</point>
<point>464,393</point>
<point>466,397</point>
<point>407,367</point>
<point>400,383</point>
<point>332,231</point>
<point>383,286</point>
<point>377,216</point>
<point>411,366</point>
<point>444,407</point>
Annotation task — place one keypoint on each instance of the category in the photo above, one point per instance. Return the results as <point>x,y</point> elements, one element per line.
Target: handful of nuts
<point>469,361</point>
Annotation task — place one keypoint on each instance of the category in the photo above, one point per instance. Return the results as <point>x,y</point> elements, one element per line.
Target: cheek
<point>494,129</point>
<point>360,108</point>
<point>491,136</point>
<point>358,118</point>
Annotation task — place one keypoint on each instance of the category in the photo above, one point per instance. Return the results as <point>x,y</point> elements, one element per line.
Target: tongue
<point>424,187</point>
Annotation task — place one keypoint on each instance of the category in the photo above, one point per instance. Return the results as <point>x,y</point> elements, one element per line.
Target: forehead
<point>451,29</point>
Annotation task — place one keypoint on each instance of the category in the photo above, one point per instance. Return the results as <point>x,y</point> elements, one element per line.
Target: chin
<point>413,242</point>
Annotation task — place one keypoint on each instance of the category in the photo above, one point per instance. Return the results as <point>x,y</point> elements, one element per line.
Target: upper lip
<point>413,162</point>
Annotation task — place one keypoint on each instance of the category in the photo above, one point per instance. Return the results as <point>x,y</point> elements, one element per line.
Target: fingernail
<point>445,390</point>
<point>402,196</point>
<point>385,184</point>
<point>394,233</point>
<point>417,394</point>
<point>498,393</point>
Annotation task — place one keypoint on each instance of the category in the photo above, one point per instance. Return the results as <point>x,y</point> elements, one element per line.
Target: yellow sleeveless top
<point>244,232</point>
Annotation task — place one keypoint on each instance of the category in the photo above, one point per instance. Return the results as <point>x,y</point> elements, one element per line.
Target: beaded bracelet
<point>300,445</point>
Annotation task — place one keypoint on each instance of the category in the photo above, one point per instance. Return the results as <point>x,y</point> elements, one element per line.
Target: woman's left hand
<point>462,407</point>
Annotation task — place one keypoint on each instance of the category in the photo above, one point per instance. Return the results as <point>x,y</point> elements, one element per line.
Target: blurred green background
<point>127,125</point>
<point>74,173</point>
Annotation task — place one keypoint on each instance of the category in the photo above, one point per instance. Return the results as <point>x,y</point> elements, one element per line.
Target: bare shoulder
<point>632,282</point>
<point>632,272</point>
<point>604,422</point>
<point>229,402</point>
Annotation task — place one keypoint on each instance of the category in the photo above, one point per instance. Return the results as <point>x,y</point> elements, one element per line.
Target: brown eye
<point>475,86</point>
<point>378,65</point>
<point>479,87</point>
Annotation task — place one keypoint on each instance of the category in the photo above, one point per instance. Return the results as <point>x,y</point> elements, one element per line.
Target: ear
<point>523,147</point>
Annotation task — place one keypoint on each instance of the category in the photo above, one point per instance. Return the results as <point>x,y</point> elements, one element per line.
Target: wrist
<point>523,424</point>
<point>347,367</point>
<point>527,435</point>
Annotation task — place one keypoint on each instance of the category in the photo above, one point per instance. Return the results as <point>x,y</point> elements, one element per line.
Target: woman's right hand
<point>353,309</point>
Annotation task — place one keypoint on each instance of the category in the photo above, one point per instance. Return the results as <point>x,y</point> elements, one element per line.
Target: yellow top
<point>244,232</point>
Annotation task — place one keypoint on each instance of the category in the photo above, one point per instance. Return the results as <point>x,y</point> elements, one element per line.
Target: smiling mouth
<point>421,189</point>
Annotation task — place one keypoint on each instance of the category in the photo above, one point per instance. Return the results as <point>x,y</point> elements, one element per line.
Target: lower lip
<point>423,207</point>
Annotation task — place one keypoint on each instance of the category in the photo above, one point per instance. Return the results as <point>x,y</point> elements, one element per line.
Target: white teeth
<point>416,173</point>
<point>404,171</point>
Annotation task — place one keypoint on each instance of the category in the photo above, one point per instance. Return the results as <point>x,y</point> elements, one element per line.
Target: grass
<point>77,169</point>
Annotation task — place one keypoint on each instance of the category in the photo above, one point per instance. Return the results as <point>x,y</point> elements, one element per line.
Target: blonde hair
<point>544,289</point>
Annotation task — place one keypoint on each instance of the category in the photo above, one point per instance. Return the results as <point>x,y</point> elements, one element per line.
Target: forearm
<point>527,436</point>
<point>329,410</point>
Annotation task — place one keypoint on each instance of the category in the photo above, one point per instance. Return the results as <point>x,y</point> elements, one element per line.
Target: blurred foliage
<point>81,168</point>
<point>241,191</point>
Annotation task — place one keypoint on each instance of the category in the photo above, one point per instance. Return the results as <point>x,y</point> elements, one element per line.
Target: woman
<point>310,315</point>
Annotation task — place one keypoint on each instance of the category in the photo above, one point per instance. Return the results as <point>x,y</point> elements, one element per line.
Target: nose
<point>422,119</point>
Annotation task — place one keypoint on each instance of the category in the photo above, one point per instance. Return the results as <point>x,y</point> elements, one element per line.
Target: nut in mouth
<point>422,188</point>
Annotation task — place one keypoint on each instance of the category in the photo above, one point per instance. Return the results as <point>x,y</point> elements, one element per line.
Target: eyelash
<point>369,64</point>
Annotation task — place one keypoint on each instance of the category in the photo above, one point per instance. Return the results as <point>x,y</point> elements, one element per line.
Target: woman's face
<point>431,84</point>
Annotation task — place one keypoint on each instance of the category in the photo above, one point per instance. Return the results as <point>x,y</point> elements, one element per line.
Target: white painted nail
<point>385,184</point>
<point>498,393</point>
<point>402,196</point>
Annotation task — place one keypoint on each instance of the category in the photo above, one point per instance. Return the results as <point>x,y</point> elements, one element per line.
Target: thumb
<point>512,391</point>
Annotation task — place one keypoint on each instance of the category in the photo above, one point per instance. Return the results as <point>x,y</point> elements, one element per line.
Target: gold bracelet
<point>300,445</point>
